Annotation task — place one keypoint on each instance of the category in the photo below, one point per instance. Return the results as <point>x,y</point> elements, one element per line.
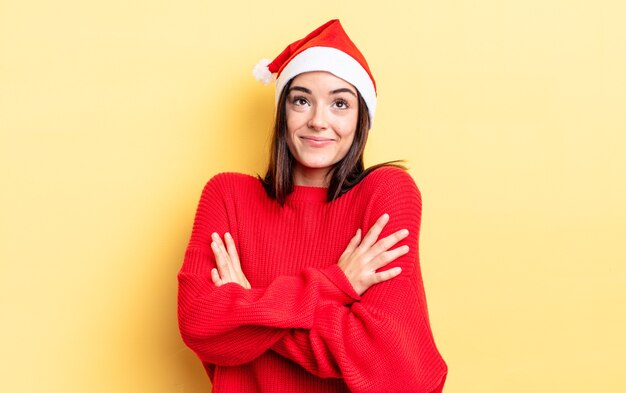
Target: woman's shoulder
<point>233,177</point>
<point>389,178</point>
<point>389,189</point>
<point>233,182</point>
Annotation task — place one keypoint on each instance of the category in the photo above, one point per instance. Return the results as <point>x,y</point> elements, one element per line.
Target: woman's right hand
<point>227,260</point>
<point>363,257</point>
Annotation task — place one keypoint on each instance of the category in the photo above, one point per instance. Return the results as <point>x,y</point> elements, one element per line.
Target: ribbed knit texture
<point>302,327</point>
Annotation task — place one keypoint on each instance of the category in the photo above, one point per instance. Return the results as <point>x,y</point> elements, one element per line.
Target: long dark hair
<point>345,174</point>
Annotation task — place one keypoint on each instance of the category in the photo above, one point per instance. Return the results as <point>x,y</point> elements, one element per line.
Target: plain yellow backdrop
<point>511,116</point>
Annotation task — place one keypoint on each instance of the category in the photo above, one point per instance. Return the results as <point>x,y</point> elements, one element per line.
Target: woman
<point>315,285</point>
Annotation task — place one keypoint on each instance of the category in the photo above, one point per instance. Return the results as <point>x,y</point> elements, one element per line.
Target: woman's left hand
<point>227,261</point>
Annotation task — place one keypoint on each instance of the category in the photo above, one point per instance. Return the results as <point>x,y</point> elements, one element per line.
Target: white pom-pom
<point>262,73</point>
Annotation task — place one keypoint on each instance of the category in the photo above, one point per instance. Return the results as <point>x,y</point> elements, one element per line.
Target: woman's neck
<point>311,177</point>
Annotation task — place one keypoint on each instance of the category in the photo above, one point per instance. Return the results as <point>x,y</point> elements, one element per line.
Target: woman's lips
<point>317,141</point>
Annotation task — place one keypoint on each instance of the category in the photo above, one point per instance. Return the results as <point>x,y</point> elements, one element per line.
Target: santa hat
<point>327,48</point>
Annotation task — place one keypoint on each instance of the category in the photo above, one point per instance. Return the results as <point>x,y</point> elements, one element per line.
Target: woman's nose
<point>318,121</point>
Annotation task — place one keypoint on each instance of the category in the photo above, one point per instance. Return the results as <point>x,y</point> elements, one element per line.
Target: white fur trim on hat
<point>338,63</point>
<point>262,73</point>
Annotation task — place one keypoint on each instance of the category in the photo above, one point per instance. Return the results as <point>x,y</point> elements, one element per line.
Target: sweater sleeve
<point>230,325</point>
<point>382,342</point>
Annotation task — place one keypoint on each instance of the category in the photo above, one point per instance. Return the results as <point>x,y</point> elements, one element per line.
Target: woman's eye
<point>299,101</point>
<point>341,104</point>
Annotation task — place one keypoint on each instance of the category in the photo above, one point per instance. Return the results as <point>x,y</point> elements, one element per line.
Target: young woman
<point>308,279</point>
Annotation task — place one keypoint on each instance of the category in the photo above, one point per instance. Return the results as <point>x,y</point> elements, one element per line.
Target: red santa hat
<point>327,48</point>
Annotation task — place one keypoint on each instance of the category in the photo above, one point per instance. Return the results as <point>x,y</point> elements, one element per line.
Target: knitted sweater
<point>302,327</point>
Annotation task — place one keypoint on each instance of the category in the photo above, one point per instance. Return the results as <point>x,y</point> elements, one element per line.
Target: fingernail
<point>213,245</point>
<point>385,216</point>
<point>214,235</point>
<point>228,235</point>
<point>404,232</point>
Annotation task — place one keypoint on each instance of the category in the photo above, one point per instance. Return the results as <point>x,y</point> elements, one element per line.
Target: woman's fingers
<point>226,268</point>
<point>222,262</point>
<point>354,243</point>
<point>227,261</point>
<point>215,277</point>
<point>386,275</point>
<point>235,262</point>
<point>388,257</point>
<point>386,243</point>
<point>232,252</point>
<point>372,235</point>
<point>362,258</point>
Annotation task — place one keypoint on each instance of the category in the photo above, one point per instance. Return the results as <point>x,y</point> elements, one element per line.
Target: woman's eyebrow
<point>343,90</point>
<point>300,88</point>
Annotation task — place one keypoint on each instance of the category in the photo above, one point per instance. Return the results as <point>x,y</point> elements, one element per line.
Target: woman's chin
<point>315,165</point>
<point>314,162</point>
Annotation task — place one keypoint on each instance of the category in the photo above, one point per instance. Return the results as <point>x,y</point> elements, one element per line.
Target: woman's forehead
<point>321,81</point>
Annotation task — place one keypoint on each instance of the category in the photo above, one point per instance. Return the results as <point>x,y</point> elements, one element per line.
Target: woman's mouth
<point>317,141</point>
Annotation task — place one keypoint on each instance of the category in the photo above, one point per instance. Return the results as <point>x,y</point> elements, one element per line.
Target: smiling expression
<point>322,113</point>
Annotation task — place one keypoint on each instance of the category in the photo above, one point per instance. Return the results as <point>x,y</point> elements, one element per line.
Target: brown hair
<point>347,173</point>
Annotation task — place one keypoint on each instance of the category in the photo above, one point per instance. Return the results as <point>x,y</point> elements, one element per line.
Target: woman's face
<point>322,112</point>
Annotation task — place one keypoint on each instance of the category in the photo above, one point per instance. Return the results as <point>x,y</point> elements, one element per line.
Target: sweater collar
<point>308,194</point>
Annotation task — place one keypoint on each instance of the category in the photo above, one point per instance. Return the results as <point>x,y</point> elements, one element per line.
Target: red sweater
<point>302,327</point>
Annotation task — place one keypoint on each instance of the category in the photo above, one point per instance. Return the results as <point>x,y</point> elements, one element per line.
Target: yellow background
<point>511,115</point>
